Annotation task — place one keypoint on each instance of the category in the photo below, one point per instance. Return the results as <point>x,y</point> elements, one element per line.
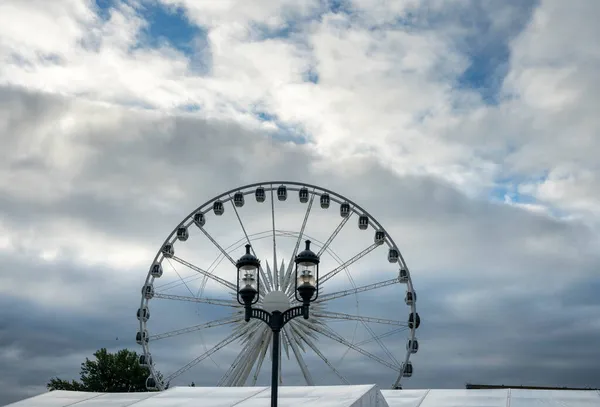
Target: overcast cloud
<point>469,129</point>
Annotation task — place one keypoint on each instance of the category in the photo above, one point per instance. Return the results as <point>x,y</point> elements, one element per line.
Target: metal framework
<point>299,336</point>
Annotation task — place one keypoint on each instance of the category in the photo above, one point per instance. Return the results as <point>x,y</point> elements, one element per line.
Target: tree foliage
<point>108,373</point>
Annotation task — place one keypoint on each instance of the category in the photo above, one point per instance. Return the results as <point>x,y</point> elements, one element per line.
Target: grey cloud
<point>174,164</point>
<point>170,165</point>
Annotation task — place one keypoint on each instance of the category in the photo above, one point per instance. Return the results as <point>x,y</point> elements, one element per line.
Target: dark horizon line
<point>502,386</point>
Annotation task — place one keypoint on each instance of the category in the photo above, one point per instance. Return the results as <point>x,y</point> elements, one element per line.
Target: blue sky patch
<point>311,75</point>
<point>481,37</point>
<point>166,25</point>
<point>103,8</point>
<point>488,46</point>
<point>170,25</point>
<point>191,107</point>
<point>510,186</point>
<point>499,192</point>
<point>285,131</point>
<point>339,6</point>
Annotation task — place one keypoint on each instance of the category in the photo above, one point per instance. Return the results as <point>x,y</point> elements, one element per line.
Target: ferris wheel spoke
<point>281,274</point>
<point>286,279</point>
<point>242,354</point>
<point>218,246</point>
<point>248,330</point>
<point>343,293</point>
<point>384,335</point>
<point>303,335</point>
<point>334,234</point>
<point>205,273</point>
<point>173,284</point>
<point>297,337</point>
<point>380,343</point>
<point>270,283</point>
<point>280,358</point>
<point>348,262</point>
<point>233,365</point>
<point>298,355</point>
<point>307,328</point>
<point>260,269</point>
<point>179,275</point>
<point>275,278</point>
<point>232,337</point>
<point>315,349</point>
<point>285,343</point>
<point>206,325</point>
<point>328,332</point>
<point>339,315</point>
<point>233,379</point>
<point>245,363</point>
<point>212,301</point>
<point>263,353</point>
<point>246,368</point>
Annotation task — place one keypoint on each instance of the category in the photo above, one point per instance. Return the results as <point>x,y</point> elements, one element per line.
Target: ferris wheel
<point>360,324</point>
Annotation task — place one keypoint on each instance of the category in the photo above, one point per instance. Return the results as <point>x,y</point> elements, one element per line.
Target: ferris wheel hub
<point>276,301</point>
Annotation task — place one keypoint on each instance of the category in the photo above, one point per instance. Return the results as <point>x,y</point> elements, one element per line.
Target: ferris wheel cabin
<point>182,233</point>
<point>143,314</point>
<point>199,219</point>
<point>238,199</point>
<point>345,210</point>
<point>260,194</point>
<point>412,345</point>
<point>403,275</point>
<point>325,201</point>
<point>410,298</point>
<point>168,250</point>
<point>148,291</point>
<point>282,193</point>
<point>218,208</point>
<point>363,222</point>
<point>141,337</point>
<point>408,370</point>
<point>303,195</point>
<point>151,383</point>
<point>414,320</point>
<point>145,361</point>
<point>156,270</point>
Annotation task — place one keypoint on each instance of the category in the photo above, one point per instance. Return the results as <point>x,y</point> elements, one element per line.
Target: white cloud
<point>554,73</point>
<point>231,12</point>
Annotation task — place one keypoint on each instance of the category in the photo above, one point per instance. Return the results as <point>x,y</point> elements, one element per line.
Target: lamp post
<point>306,286</point>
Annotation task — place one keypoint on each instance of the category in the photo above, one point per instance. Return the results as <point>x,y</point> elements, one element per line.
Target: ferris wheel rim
<point>270,186</point>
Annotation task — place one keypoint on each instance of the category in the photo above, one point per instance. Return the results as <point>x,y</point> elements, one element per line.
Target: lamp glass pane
<point>306,274</point>
<point>248,277</point>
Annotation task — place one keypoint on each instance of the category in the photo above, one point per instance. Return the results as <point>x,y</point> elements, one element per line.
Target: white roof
<point>331,396</point>
<point>491,398</point>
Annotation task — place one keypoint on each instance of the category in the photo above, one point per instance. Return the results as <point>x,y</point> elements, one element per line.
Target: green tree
<point>109,373</point>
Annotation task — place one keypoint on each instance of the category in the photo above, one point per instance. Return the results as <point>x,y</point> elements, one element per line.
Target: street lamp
<point>306,291</point>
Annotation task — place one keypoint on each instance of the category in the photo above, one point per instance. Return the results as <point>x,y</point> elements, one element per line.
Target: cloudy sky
<point>468,128</point>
